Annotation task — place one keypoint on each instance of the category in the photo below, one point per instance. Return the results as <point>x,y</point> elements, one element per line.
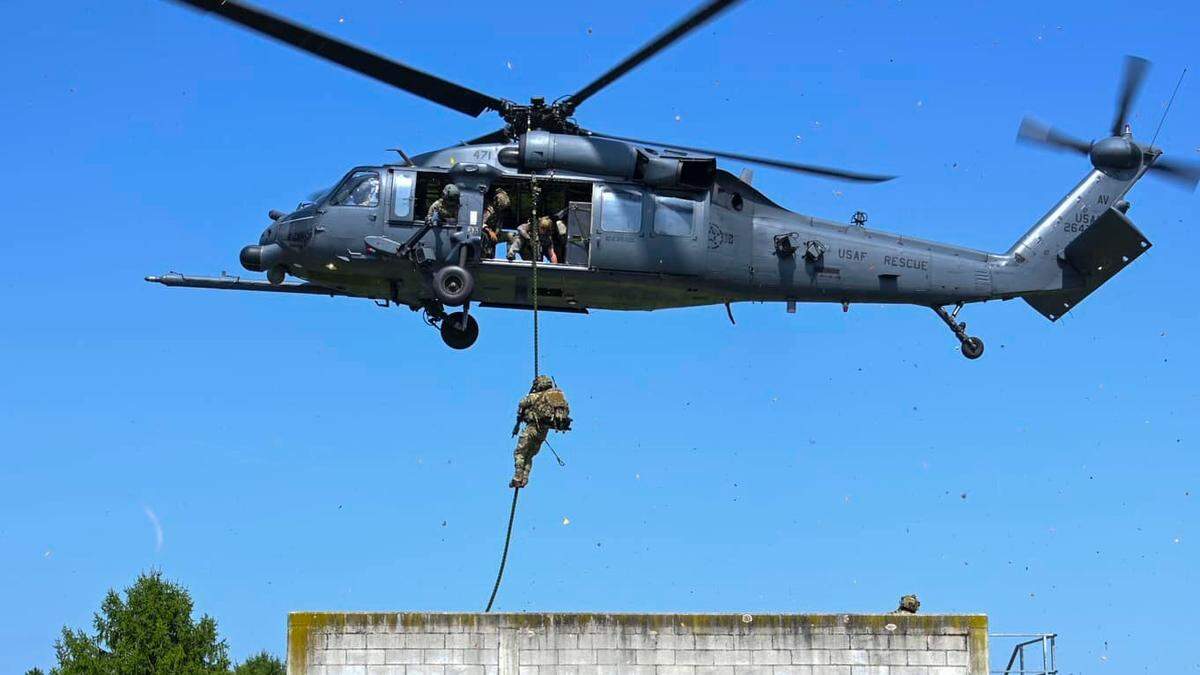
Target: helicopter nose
<point>261,258</point>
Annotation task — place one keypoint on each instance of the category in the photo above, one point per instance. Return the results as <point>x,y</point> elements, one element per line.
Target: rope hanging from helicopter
<point>536,244</point>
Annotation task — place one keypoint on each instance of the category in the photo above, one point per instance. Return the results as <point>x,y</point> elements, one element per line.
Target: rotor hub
<point>1116,152</point>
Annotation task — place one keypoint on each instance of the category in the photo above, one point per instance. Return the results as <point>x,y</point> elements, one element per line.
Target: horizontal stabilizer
<point>1109,245</point>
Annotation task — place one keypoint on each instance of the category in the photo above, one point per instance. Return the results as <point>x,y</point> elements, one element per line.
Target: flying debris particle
<point>920,103</point>
<point>637,476</point>
<point>1176,540</point>
<point>566,520</point>
<point>816,125</point>
<point>799,138</point>
<point>589,31</point>
<point>509,64</point>
<point>678,118</point>
<point>963,496</point>
<point>48,553</point>
<point>443,523</point>
<point>837,193</point>
<point>341,19</point>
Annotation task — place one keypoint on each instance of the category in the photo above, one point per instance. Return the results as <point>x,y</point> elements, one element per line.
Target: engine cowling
<point>598,156</point>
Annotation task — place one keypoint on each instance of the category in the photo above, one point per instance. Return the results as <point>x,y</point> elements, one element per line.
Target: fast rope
<point>537,253</point>
<point>512,514</point>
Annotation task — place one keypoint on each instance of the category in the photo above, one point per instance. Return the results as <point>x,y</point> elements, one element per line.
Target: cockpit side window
<point>360,188</point>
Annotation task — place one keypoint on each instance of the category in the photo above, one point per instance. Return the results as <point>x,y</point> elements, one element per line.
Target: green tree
<point>261,664</point>
<point>149,632</point>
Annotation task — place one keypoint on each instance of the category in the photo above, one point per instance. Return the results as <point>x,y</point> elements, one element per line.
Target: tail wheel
<point>453,285</point>
<point>459,332</point>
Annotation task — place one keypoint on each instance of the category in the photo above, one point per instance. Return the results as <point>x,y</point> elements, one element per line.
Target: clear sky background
<point>307,453</point>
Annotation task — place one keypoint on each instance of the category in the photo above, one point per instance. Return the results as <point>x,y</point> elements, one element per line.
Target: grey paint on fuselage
<point>730,255</point>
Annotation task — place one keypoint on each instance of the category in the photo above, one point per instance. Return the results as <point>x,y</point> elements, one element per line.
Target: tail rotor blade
<point>1187,174</point>
<point>1135,72</point>
<point>1033,131</point>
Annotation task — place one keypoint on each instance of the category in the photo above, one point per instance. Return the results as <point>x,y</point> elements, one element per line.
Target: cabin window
<point>360,188</point>
<point>403,183</point>
<point>673,216</point>
<point>621,211</point>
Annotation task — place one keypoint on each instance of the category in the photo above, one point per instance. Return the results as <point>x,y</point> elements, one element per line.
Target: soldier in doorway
<point>444,209</point>
<point>543,409</point>
<point>909,604</point>
<point>524,241</point>
<point>494,216</point>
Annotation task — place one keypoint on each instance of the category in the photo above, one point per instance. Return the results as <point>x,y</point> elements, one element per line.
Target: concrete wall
<point>639,644</point>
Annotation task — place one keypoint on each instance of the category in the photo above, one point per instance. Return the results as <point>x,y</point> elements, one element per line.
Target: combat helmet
<point>909,604</point>
<point>501,198</point>
<point>450,192</point>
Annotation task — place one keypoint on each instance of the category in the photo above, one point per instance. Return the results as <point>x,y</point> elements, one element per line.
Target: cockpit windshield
<point>360,188</point>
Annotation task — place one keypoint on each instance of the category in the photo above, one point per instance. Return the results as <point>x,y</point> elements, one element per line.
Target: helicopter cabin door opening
<point>568,203</point>
<point>410,196</point>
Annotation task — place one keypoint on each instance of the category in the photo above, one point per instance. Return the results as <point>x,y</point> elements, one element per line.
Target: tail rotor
<point>1118,152</point>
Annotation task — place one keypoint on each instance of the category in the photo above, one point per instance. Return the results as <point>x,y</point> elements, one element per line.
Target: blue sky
<point>309,453</point>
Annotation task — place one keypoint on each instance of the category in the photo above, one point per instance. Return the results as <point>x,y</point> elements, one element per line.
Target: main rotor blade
<point>1033,131</point>
<point>497,136</point>
<point>688,24</point>
<point>429,87</point>
<point>1185,173</point>
<point>1131,82</point>
<point>766,161</point>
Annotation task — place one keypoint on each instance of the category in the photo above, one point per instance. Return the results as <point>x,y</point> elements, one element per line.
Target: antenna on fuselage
<point>407,161</point>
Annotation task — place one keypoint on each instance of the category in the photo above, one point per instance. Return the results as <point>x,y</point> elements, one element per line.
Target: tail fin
<point>1080,244</point>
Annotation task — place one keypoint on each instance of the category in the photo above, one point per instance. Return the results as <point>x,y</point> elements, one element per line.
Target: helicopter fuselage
<point>632,246</point>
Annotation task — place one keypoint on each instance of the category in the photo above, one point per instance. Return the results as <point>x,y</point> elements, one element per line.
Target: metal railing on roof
<point>1040,647</point>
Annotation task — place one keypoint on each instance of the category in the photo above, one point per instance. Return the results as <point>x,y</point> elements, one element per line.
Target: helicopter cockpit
<point>360,188</point>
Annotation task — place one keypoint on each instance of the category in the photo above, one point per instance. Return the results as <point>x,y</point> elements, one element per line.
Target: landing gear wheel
<point>972,348</point>
<point>453,285</point>
<point>276,275</point>
<point>455,334</point>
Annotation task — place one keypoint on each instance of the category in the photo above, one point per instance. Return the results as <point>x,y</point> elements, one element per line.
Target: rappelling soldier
<point>494,216</point>
<point>543,409</point>
<point>444,210</point>
<point>909,604</point>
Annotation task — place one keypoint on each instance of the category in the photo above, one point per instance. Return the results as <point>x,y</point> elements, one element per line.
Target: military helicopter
<point>653,225</point>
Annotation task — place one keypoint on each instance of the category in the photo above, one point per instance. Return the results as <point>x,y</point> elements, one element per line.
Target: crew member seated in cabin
<point>495,216</point>
<point>546,241</point>
<point>445,209</point>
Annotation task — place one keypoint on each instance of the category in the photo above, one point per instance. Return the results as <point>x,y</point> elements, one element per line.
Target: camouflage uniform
<point>543,409</point>
<point>493,225</point>
<point>909,604</point>
<point>524,241</point>
<point>444,209</point>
